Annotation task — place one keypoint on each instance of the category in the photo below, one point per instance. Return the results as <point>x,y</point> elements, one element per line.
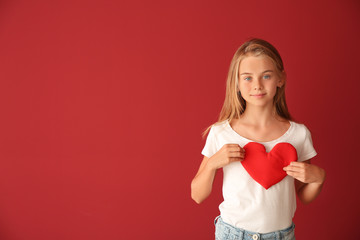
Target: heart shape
<point>267,168</point>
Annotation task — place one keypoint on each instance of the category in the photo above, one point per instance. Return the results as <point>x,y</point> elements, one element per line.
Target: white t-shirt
<point>246,203</point>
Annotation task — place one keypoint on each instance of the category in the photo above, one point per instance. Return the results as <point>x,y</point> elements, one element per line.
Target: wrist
<point>321,180</point>
<point>210,165</point>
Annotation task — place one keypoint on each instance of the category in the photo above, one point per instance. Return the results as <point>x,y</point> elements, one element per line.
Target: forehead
<point>252,64</point>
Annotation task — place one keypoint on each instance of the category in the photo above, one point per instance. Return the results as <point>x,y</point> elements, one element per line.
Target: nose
<point>257,85</point>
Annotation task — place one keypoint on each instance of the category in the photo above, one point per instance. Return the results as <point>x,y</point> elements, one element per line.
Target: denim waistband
<point>231,232</point>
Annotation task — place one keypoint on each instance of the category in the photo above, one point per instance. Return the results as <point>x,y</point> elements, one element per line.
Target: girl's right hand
<point>201,185</point>
<point>227,154</point>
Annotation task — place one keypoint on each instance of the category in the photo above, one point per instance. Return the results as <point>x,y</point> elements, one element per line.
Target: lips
<point>258,95</point>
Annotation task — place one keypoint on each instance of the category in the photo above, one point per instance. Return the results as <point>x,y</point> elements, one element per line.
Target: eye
<point>267,76</point>
<point>247,78</point>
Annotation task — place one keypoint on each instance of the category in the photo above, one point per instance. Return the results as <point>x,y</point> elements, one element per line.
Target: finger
<point>235,151</point>
<point>236,148</point>
<point>290,173</point>
<point>230,147</point>
<point>295,175</point>
<point>297,164</point>
<point>242,149</point>
<point>236,154</point>
<point>293,169</point>
<point>236,159</point>
<point>233,145</point>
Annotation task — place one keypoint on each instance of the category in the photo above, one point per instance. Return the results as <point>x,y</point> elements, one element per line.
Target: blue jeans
<point>225,231</point>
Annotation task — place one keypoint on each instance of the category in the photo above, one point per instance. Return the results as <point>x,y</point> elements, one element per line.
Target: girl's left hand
<point>305,172</point>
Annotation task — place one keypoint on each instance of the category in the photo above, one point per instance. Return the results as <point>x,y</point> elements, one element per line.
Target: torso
<point>265,134</point>
<point>246,203</point>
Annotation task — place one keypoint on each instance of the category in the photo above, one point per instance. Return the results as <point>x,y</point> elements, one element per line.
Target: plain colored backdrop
<point>103,104</point>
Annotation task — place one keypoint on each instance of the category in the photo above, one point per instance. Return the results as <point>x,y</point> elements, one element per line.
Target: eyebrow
<point>245,73</point>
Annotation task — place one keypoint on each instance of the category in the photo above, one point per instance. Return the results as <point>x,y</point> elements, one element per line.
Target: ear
<point>282,80</point>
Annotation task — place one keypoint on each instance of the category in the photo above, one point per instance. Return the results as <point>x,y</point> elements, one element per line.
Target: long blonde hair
<point>234,104</point>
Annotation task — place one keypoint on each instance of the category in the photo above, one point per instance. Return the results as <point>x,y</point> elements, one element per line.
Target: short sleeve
<point>210,145</point>
<point>307,151</point>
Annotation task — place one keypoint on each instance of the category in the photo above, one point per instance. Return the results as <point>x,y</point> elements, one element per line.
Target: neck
<point>260,116</point>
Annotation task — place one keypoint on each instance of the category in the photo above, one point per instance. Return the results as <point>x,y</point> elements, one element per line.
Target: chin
<point>259,103</point>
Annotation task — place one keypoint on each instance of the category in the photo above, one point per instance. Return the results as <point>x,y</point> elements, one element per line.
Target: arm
<point>309,179</point>
<point>201,185</point>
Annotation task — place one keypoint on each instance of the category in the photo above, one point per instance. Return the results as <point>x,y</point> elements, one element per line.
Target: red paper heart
<point>267,168</point>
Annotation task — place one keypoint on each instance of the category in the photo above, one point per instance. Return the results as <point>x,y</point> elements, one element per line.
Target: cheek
<point>244,87</point>
<point>273,91</point>
<point>271,86</point>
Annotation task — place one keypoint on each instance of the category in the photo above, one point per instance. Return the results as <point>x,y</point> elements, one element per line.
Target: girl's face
<point>258,80</point>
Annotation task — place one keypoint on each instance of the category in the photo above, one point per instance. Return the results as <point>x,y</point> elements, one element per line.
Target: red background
<point>103,104</point>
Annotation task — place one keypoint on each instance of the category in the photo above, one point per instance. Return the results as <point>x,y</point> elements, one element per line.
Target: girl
<point>255,110</point>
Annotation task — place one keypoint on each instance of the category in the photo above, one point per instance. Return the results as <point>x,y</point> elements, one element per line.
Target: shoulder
<point>303,140</point>
<point>218,127</point>
<point>299,126</point>
<point>300,129</point>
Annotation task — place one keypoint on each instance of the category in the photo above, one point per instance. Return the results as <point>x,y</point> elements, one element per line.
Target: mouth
<point>258,95</point>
